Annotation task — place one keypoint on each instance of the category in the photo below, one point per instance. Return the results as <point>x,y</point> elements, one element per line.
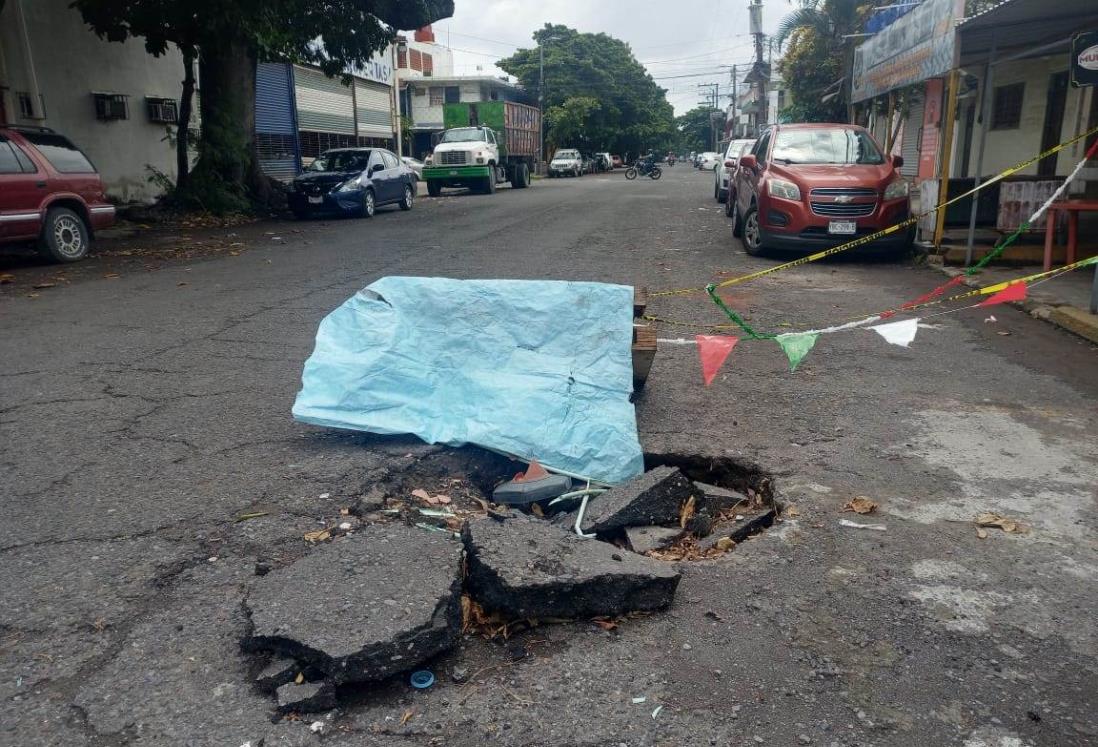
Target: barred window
<point>1007,107</point>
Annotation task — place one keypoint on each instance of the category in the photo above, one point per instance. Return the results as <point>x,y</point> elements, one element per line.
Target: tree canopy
<point>228,37</point>
<point>696,129</point>
<point>630,112</point>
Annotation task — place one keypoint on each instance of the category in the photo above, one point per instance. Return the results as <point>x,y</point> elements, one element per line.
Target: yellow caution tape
<point>891,229</point>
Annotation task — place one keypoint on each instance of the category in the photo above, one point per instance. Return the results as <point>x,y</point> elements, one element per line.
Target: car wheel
<point>752,234</point>
<point>489,187</point>
<point>730,204</point>
<point>409,196</point>
<point>369,205</point>
<point>434,189</point>
<point>717,190</point>
<point>65,236</point>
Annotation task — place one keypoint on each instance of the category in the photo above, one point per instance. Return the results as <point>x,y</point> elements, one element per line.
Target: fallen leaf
<point>421,494</point>
<point>253,515</point>
<point>981,533</point>
<point>725,544</point>
<point>318,536</point>
<point>407,716</point>
<point>300,678</point>
<point>997,521</point>
<point>344,512</point>
<point>605,623</point>
<point>443,499</point>
<point>39,286</point>
<point>687,512</point>
<point>792,512</point>
<point>859,504</point>
<point>535,509</point>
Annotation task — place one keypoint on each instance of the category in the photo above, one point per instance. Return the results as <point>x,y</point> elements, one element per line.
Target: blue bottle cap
<point>422,679</point>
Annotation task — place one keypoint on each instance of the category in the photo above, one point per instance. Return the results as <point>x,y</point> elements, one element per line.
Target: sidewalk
<point>1063,301</point>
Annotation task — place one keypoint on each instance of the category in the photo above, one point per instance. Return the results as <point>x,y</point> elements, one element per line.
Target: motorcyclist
<point>649,160</point>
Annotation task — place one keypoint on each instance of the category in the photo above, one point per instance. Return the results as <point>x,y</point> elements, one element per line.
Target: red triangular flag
<point>1013,292</point>
<point>713,350</point>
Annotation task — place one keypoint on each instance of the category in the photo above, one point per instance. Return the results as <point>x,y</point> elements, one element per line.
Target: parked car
<point>352,181</point>
<point>812,186</point>
<point>50,193</point>
<point>727,166</point>
<point>616,162</point>
<point>603,162</point>
<point>566,162</point>
<point>709,161</point>
<point>415,165</point>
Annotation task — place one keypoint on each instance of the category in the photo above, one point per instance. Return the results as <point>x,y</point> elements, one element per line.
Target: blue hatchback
<point>352,181</point>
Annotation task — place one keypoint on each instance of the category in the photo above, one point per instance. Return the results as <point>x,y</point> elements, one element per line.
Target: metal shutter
<point>374,109</point>
<point>323,104</point>
<point>909,149</point>
<point>273,99</point>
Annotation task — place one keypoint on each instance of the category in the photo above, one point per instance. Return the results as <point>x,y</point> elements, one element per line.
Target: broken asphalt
<point>141,416</point>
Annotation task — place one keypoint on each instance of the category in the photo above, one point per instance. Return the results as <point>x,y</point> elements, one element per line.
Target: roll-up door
<point>909,149</point>
<point>323,104</point>
<point>275,128</point>
<point>374,109</point>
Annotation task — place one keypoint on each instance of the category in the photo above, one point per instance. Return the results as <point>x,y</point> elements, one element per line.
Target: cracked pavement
<point>140,416</point>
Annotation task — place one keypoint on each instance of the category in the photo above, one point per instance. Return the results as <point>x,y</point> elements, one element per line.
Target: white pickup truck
<point>566,162</point>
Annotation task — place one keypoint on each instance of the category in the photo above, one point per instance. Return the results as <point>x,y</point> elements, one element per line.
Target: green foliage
<point>228,37</point>
<point>632,112</point>
<point>810,69</point>
<point>695,129</point>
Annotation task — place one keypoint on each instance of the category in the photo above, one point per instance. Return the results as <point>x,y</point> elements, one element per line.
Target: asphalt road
<point>145,405</point>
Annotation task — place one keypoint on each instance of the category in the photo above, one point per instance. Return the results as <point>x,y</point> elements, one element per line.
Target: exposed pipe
<point>987,90</point>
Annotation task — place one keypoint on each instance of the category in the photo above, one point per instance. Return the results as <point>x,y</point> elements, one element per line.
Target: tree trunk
<point>227,148</point>
<point>183,126</point>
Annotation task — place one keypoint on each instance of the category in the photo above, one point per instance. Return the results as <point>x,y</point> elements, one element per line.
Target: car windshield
<point>341,160</point>
<point>837,145</point>
<point>464,135</point>
<point>563,155</point>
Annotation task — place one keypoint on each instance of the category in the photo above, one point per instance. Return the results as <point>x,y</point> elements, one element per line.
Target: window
<point>162,111</point>
<point>420,91</point>
<point>417,59</point>
<point>390,160</point>
<point>761,146</point>
<point>26,105</point>
<point>453,94</point>
<point>64,156</point>
<point>9,164</point>
<point>437,93</point>
<point>826,145</point>
<point>375,160</point>
<point>428,64</point>
<point>111,106</point>
<point>24,160</point>
<point>1006,109</point>
<point>402,58</point>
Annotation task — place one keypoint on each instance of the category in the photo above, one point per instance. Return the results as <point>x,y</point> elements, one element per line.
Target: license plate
<point>842,227</point>
<point>315,200</point>
<point>453,172</point>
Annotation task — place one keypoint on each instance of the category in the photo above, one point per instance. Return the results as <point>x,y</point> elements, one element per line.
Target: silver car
<point>415,165</point>
<point>724,173</point>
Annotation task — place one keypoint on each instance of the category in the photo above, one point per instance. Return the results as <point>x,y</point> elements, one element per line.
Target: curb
<point>1067,317</point>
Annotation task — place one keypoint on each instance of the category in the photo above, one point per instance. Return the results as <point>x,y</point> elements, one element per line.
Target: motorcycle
<point>643,169</point>
<point>670,160</point>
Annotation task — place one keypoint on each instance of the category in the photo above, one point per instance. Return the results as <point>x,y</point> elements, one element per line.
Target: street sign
<point>1084,59</point>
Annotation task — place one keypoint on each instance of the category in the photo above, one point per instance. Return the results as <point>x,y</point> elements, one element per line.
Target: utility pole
<point>541,101</point>
<point>755,10</point>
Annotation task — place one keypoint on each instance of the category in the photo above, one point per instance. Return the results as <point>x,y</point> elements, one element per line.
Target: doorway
<point>1054,121</point>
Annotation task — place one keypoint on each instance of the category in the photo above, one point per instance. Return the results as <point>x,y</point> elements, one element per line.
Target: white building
<point>113,100</point>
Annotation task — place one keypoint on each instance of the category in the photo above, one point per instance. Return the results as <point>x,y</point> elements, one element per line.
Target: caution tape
<point>862,241</point>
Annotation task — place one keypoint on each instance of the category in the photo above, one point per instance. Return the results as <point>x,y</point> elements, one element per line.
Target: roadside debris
<point>282,671</point>
<point>643,539</point>
<point>856,525</point>
<point>532,487</point>
<point>361,608</point>
<point>527,568</point>
<point>997,521</point>
<point>860,504</point>
<point>656,497</point>
<point>422,679</point>
<point>308,697</point>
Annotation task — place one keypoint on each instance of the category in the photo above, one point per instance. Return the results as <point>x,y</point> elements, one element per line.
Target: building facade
<point>113,100</point>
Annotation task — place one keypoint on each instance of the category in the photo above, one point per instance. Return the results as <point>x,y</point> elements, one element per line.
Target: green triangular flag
<point>796,345</point>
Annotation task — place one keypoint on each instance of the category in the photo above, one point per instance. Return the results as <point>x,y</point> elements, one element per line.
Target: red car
<point>813,186</point>
<point>49,193</point>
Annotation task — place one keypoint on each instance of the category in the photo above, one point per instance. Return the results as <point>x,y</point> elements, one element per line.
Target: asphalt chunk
<point>656,497</point>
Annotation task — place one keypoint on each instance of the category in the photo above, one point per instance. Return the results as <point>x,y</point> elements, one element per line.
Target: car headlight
<point>348,186</point>
<point>785,190</point>
<point>897,189</point>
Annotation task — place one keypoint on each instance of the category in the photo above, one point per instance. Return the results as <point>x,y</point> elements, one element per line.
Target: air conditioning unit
<point>111,106</point>
<point>162,111</point>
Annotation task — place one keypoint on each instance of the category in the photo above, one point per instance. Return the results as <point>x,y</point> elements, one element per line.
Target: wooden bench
<point>1072,208</point>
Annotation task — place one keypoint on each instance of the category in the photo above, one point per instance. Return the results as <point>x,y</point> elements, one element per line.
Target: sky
<point>672,38</point>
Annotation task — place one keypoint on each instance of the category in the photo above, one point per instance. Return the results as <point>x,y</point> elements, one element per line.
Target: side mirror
<point>749,162</point>
<point>897,161</point>
<point>729,164</point>
<point>376,168</point>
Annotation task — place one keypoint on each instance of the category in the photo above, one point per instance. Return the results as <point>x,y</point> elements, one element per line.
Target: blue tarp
<point>534,369</point>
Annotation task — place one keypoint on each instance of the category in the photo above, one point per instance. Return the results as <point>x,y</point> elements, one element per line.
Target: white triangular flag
<point>898,333</point>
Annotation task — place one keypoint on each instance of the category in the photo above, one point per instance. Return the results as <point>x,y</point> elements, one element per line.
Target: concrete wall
<point>1007,147</point>
<point>71,63</point>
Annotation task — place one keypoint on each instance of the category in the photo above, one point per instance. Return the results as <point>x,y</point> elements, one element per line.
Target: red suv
<point>49,193</point>
<point>813,186</point>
